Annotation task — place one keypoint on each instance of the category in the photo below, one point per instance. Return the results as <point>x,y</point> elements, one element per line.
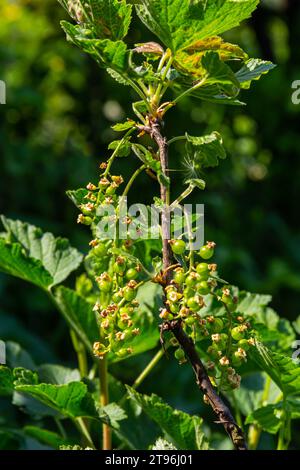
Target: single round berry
<point>179,276</point>
<point>203,288</point>
<point>174,307</point>
<point>178,247</point>
<point>243,344</point>
<point>179,354</point>
<point>105,285</point>
<point>195,303</point>
<point>100,250</point>
<point>213,351</point>
<point>203,270</point>
<point>192,279</point>
<point>207,252</point>
<point>116,298</point>
<point>190,320</point>
<point>131,274</point>
<point>237,333</point>
<point>236,360</point>
<point>217,326</point>
<point>111,190</point>
<point>129,293</point>
<point>188,292</point>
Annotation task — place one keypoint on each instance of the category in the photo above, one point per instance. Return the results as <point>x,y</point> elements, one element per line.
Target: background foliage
<point>56,126</point>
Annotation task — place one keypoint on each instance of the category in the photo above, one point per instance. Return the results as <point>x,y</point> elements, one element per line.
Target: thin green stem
<point>60,427</point>
<point>115,153</point>
<point>190,90</point>
<point>183,196</point>
<point>81,354</point>
<point>139,92</point>
<point>81,426</point>
<point>104,400</point>
<point>176,139</point>
<point>158,94</point>
<point>132,179</point>
<point>255,431</point>
<point>148,369</point>
<point>144,374</point>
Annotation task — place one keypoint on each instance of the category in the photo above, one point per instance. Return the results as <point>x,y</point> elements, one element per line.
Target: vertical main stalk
<point>219,407</point>
<point>104,400</point>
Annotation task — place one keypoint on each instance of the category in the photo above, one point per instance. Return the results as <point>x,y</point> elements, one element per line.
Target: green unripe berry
<point>203,270</point>
<point>111,190</point>
<point>179,276</point>
<point>188,292</point>
<point>105,283</point>
<point>174,307</point>
<point>217,326</point>
<point>243,343</point>
<point>178,247</point>
<point>120,266</point>
<point>207,251</point>
<point>100,250</point>
<point>190,320</point>
<point>203,288</point>
<point>122,352</point>
<point>85,220</point>
<point>236,360</point>
<point>126,310</point>
<point>131,274</point>
<point>237,333</point>
<point>192,279</point>
<point>195,303</point>
<point>116,298</point>
<point>213,351</point>
<point>129,293</point>
<point>232,306</point>
<point>179,354</point>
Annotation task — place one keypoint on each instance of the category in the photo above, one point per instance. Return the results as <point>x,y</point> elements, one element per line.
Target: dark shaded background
<point>55,128</point>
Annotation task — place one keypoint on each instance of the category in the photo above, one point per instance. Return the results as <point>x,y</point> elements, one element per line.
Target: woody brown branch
<point>222,411</point>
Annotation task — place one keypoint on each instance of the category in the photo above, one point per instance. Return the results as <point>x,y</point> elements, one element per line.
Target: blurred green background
<point>55,128</point>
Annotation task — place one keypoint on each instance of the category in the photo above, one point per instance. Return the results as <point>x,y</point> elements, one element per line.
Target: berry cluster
<point>117,277</point>
<point>103,194</point>
<point>117,307</point>
<point>227,336</point>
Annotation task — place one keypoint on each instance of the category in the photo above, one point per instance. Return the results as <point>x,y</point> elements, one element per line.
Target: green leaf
<point>57,375</point>
<point>281,368</point>
<point>162,444</point>
<point>124,126</point>
<point>77,196</point>
<point>16,356</point>
<point>180,23</point>
<point>14,261</point>
<point>251,393</point>
<point>55,254</point>
<point>123,146</point>
<point>107,53</point>
<point>6,381</point>
<point>267,417</point>
<point>107,18</point>
<point>79,315</point>
<point>183,430</point>
<point>205,151</point>
<point>253,69</point>
<point>71,400</point>
<point>46,437</point>
<point>219,75</point>
<point>189,60</point>
<point>113,414</point>
<point>196,182</point>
